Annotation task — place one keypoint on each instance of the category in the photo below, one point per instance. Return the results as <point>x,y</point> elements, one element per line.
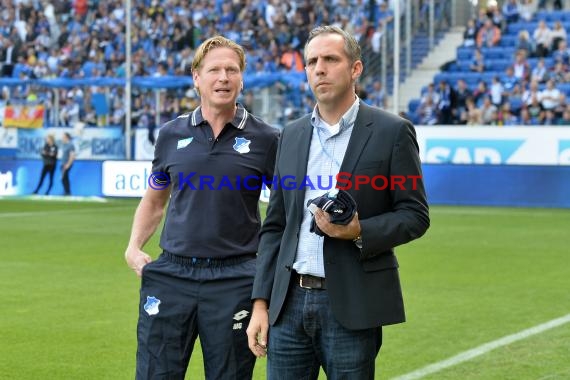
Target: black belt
<point>208,262</point>
<point>306,281</point>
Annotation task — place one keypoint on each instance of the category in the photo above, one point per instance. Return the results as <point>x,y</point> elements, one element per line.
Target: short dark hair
<point>351,46</point>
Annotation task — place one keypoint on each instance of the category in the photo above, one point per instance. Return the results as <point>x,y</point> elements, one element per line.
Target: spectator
<point>525,43</point>
<point>488,112</point>
<point>9,54</point>
<point>530,93</point>
<point>378,96</point>
<point>462,94</point>
<point>525,118</point>
<point>562,54</point>
<point>506,116</point>
<point>291,59</point>
<point>511,11</point>
<point>446,104</point>
<point>480,92</point>
<point>470,34</point>
<point>430,93</point>
<point>495,15</point>
<point>521,67</point>
<point>489,35</point>
<point>428,112</point>
<point>535,110</point>
<point>477,62</point>
<point>557,35</point>
<point>516,96</point>
<point>69,114</point>
<point>473,113</point>
<point>542,39</point>
<point>509,81</point>
<point>526,9</point>
<point>496,91</point>
<point>560,73</point>
<point>561,107</point>
<point>539,73</point>
<point>549,98</point>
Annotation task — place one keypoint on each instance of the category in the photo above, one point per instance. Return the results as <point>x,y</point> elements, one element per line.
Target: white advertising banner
<point>495,146</point>
<point>125,178</point>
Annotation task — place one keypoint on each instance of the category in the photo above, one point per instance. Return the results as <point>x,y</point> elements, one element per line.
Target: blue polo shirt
<point>215,183</point>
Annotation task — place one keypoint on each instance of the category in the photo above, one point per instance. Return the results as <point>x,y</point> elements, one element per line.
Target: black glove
<point>340,205</point>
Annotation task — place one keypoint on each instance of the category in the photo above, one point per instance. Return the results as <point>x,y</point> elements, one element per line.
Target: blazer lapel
<point>360,135</point>
<point>303,142</point>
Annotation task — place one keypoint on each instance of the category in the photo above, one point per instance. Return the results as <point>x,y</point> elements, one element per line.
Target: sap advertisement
<point>93,143</point>
<point>20,177</point>
<point>495,146</point>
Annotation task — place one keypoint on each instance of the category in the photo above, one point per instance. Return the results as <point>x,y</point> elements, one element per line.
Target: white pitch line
<point>483,349</point>
<point>25,214</point>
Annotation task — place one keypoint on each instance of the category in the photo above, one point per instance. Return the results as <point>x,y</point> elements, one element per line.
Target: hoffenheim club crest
<point>242,145</point>
<point>151,305</point>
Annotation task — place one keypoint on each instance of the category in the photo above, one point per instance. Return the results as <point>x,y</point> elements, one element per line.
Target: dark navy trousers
<point>184,298</point>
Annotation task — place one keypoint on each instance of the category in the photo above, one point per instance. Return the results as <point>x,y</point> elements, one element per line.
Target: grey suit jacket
<point>363,285</point>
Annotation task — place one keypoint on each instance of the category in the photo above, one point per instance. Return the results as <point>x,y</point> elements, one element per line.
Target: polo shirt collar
<point>196,118</point>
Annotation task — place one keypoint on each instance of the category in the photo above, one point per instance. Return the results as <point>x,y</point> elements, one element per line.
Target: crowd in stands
<point>86,38</point>
<point>531,88</point>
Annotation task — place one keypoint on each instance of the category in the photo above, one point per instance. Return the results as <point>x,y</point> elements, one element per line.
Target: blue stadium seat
<point>564,87</point>
<point>508,40</point>
<point>516,104</point>
<point>465,52</point>
<point>413,105</point>
<point>463,65</point>
<point>498,64</point>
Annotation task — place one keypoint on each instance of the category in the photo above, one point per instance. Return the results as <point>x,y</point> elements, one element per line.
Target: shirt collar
<point>196,118</point>
<point>346,121</point>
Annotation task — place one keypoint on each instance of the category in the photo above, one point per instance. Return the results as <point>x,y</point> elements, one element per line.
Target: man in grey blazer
<point>327,297</point>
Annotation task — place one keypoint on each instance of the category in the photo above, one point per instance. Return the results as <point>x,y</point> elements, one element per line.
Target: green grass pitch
<point>68,302</point>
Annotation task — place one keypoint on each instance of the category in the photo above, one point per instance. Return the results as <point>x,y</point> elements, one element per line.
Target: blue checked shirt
<point>328,146</point>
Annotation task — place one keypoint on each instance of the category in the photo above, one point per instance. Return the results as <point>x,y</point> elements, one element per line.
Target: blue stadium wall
<point>498,185</point>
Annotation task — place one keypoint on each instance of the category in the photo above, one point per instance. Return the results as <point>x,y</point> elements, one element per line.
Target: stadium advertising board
<point>564,152</point>
<point>20,177</point>
<point>494,146</point>
<point>467,145</point>
<point>132,178</point>
<point>125,178</point>
<point>90,143</point>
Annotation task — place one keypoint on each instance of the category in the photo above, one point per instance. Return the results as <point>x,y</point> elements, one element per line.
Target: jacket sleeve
<point>408,217</point>
<point>270,237</point>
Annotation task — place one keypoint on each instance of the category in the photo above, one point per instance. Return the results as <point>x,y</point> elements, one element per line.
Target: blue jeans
<point>308,336</point>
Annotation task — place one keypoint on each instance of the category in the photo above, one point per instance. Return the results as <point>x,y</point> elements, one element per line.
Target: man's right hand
<point>258,328</point>
<point>136,259</point>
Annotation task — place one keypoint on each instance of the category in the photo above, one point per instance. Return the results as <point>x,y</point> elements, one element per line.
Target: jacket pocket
<point>380,262</point>
<point>369,164</point>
